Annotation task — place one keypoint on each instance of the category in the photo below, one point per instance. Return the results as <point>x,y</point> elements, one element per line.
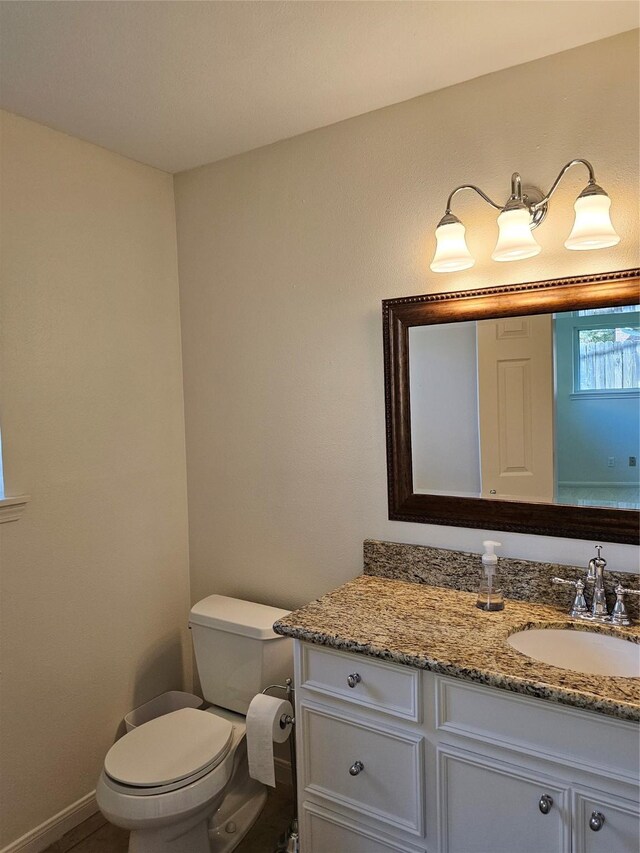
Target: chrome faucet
<point>579,609</point>
<point>595,574</point>
<point>619,615</point>
<point>598,612</point>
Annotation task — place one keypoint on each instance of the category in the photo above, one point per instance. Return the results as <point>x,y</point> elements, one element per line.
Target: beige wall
<point>95,575</point>
<point>284,255</point>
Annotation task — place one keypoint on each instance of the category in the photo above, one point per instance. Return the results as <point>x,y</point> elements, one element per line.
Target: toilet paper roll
<point>263,728</point>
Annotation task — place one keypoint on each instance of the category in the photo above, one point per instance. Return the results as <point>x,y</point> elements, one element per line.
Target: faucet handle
<point>579,605</point>
<point>566,582</point>
<point>619,615</point>
<point>596,562</point>
<point>626,591</point>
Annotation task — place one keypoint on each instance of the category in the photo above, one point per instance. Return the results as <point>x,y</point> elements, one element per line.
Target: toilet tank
<point>237,652</point>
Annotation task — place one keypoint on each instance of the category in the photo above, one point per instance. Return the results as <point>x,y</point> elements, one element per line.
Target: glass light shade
<point>592,228</point>
<point>451,249</point>
<point>515,240</point>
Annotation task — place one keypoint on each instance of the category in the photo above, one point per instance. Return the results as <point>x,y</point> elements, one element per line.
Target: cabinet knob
<point>357,767</point>
<point>353,679</point>
<point>545,803</point>
<point>596,821</point>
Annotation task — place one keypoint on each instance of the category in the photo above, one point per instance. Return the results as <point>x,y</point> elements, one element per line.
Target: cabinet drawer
<point>535,727</point>
<point>376,685</point>
<point>373,770</point>
<point>324,832</point>
<point>488,805</point>
<point>620,832</point>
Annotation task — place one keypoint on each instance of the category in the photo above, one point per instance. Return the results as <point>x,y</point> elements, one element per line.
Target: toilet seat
<point>169,752</point>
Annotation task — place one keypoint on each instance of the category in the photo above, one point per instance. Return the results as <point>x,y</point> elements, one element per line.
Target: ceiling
<point>179,84</point>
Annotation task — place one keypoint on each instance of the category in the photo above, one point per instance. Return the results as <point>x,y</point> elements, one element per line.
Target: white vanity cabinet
<point>375,771</point>
<point>483,804</point>
<point>619,830</point>
<point>392,758</point>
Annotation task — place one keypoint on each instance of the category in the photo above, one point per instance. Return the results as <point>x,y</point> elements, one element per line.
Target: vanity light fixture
<point>524,210</point>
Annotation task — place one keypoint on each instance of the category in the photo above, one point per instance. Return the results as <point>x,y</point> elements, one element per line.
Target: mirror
<point>541,408</point>
<point>517,408</point>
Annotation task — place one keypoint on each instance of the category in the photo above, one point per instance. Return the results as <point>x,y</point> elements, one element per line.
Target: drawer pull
<point>596,821</point>
<point>545,803</point>
<point>357,767</point>
<point>353,679</point>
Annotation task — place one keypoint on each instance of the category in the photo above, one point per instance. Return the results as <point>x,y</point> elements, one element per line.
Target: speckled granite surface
<point>443,631</point>
<point>523,580</point>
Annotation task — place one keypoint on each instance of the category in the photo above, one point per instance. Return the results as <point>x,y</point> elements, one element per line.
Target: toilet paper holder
<point>285,719</point>
<point>289,843</point>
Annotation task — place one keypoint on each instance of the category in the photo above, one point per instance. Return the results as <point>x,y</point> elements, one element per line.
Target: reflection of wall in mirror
<point>444,409</point>
<point>596,432</point>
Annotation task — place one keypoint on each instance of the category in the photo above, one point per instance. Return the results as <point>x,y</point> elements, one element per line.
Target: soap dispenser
<point>490,595</point>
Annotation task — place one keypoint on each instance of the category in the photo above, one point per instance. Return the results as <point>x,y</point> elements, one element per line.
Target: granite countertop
<point>442,630</point>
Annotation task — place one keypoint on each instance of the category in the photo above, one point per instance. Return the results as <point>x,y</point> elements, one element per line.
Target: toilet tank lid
<point>237,617</point>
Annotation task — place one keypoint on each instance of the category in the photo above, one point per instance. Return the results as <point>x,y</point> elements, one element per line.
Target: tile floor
<point>95,835</point>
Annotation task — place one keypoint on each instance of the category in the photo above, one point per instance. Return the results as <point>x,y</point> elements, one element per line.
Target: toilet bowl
<point>167,784</point>
<point>180,783</point>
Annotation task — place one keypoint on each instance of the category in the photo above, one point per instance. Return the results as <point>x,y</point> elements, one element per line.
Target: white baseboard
<point>52,830</point>
<point>596,484</point>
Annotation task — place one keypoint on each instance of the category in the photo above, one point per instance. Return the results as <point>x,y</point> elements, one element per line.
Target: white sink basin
<point>580,651</point>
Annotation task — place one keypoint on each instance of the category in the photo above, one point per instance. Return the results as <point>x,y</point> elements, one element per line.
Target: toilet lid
<point>169,748</point>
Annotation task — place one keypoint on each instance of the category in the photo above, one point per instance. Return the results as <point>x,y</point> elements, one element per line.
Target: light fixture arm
<point>516,189</point>
<point>554,186</point>
<point>530,198</point>
<point>470,187</point>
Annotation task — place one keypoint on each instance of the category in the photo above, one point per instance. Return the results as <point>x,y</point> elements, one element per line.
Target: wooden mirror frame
<point>538,297</point>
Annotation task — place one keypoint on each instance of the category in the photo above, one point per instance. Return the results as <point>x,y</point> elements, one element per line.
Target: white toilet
<point>180,783</point>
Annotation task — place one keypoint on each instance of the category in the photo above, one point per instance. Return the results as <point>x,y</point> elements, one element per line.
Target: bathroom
<point>204,206</point>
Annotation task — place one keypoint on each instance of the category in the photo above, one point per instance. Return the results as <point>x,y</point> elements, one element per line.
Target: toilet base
<point>193,838</point>
<point>235,817</point>
<point>222,834</point>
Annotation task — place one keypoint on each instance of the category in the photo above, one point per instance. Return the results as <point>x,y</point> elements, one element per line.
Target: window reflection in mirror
<point>542,408</point>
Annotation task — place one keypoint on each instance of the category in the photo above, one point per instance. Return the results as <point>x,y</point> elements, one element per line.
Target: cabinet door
<point>325,832</point>
<point>619,832</point>
<point>371,770</point>
<point>487,806</point>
